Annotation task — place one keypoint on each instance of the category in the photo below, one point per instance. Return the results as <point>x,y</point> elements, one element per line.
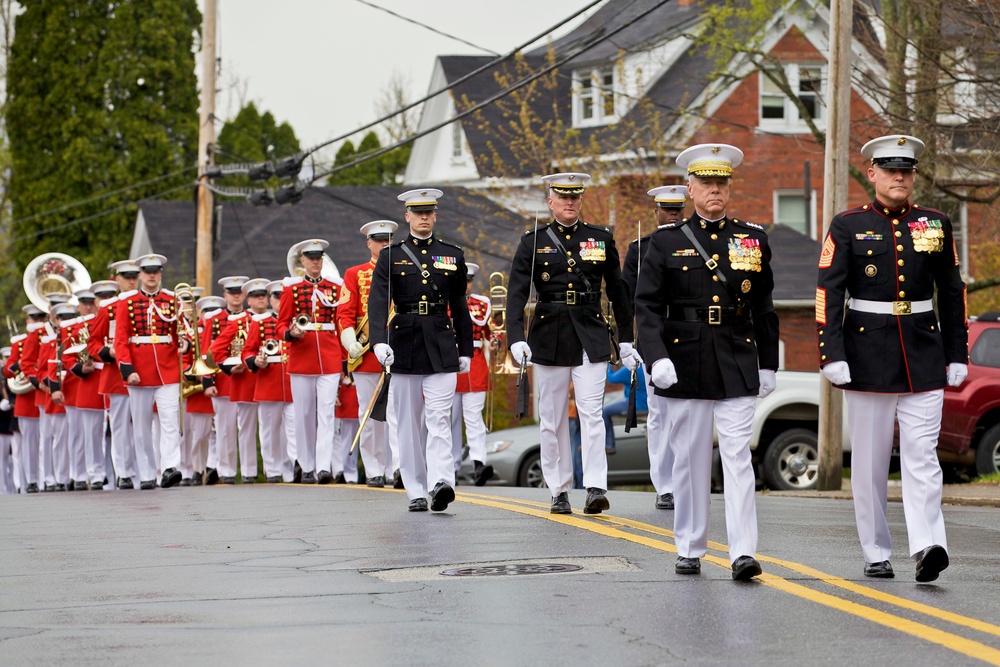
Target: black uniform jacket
<point>880,254</point>
<point>421,343</point>
<point>634,257</point>
<point>678,301</point>
<point>560,331</point>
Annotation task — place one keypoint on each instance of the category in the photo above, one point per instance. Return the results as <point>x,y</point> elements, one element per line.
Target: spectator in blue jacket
<point>622,376</point>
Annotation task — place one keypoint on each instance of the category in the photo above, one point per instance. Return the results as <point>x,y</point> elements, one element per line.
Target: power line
<point>424,25</point>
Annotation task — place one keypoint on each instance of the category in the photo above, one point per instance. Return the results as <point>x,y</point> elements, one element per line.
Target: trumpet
<point>184,294</point>
<point>271,347</point>
<point>19,384</point>
<point>302,321</point>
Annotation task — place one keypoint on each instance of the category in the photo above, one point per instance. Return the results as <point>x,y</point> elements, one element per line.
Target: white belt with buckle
<point>154,339</point>
<point>323,326</point>
<point>275,359</point>
<point>477,343</point>
<point>892,307</point>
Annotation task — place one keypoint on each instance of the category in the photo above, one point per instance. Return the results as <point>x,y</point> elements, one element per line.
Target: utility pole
<point>206,154</point>
<point>835,181</point>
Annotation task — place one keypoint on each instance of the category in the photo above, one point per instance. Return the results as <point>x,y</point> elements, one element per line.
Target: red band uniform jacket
<point>478,377</point>
<point>102,339</point>
<point>353,307</point>
<point>213,322</point>
<point>24,405</point>
<point>241,385</point>
<point>50,375</point>
<point>155,356</point>
<point>85,388</point>
<point>318,352</point>
<point>273,383</point>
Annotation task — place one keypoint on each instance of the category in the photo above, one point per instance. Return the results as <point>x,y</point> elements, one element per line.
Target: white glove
<point>519,351</point>
<point>956,374</point>
<point>663,374</point>
<point>837,372</point>
<point>384,354</point>
<point>767,382</point>
<point>629,356</point>
<point>350,342</point>
<point>464,363</point>
<point>4,405</point>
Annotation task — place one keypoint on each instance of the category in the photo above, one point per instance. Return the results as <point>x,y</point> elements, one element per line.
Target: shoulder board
<point>210,314</point>
<point>396,244</point>
<point>35,326</point>
<point>540,229</point>
<point>751,225</point>
<point>443,242</point>
<point>288,282</point>
<point>18,338</point>
<point>237,316</point>
<point>671,225</point>
<point>257,317</point>
<point>928,209</point>
<point>597,227</point>
<point>125,295</point>
<point>108,302</point>
<point>167,292</point>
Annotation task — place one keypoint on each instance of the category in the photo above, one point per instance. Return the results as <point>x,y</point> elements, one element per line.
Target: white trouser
<point>226,438</point>
<point>392,429</point>
<point>315,398</point>
<point>691,440</point>
<point>246,417</point>
<point>29,448</point>
<point>92,429</point>
<point>661,456</point>
<point>288,442</point>
<point>553,417</point>
<point>424,460</point>
<point>6,465</point>
<point>16,453</point>
<point>45,474</point>
<point>167,399</point>
<point>122,441</point>
<point>467,407</point>
<point>194,444</point>
<point>346,430</point>
<point>374,442</point>
<point>75,445</point>
<point>156,438</point>
<point>53,448</point>
<point>213,444</point>
<point>871,418</point>
<point>272,419</point>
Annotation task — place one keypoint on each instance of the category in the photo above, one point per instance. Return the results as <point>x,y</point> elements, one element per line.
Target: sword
<point>376,407</point>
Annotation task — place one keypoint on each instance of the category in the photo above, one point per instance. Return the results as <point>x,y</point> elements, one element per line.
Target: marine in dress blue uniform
<point>709,332</point>
<point>881,341</point>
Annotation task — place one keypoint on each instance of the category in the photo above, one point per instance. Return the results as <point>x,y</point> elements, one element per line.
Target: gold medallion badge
<point>871,270</point>
<point>745,286</point>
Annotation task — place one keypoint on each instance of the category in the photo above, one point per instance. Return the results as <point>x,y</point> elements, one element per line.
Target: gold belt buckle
<point>317,326</point>
<point>423,308</point>
<point>284,358</point>
<point>900,307</point>
<point>154,339</point>
<point>571,298</point>
<point>715,314</point>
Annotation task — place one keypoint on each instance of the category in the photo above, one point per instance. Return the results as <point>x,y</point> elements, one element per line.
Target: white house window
<point>779,112</point>
<point>790,209</point>
<point>456,139</point>
<point>594,96</point>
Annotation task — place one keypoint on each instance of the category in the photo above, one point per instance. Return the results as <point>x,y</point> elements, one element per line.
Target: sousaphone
<point>329,270</point>
<point>54,273</point>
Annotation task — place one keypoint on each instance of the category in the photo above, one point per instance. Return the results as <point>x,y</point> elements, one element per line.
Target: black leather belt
<point>714,315</point>
<point>422,308</point>
<point>570,298</point>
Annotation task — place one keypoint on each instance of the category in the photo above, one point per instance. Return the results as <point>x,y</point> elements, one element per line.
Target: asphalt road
<point>344,575</point>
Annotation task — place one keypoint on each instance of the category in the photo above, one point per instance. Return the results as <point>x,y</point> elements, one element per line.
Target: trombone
<point>184,294</point>
<point>501,362</point>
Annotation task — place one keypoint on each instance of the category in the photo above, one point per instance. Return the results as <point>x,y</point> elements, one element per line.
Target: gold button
<point>823,357</point>
<point>900,262</point>
<point>899,247</point>
<point>715,237</point>
<point>684,268</point>
<point>901,294</point>
<point>861,329</point>
<point>715,299</point>
<point>545,264</point>
<point>869,252</point>
<point>424,251</point>
<point>902,279</point>
<point>423,298</point>
<point>748,340</point>
<point>898,233</point>
<point>715,278</point>
<point>570,269</point>
<point>570,286</point>
<point>820,332</point>
<point>423,266</point>
<point>541,317</point>
<point>822,344</point>
<point>715,257</point>
<point>895,222</point>
<point>568,237</point>
<point>424,281</point>
<point>677,340</point>
<point>932,327</point>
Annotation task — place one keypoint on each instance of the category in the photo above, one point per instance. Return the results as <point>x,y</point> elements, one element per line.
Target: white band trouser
<point>86,441</point>
<point>424,401</point>
<point>553,417</point>
<point>16,453</point>
<point>54,448</point>
<point>870,420</point>
<point>467,408</point>
<point>226,441</point>
<point>347,428</point>
<point>29,448</point>
<point>194,447</point>
<point>374,442</point>
<point>272,419</point>
<point>691,439</point>
<point>661,456</point>
<point>246,418</point>
<point>122,442</point>
<point>167,399</point>
<point>6,465</point>
<point>315,399</point>
<point>75,443</point>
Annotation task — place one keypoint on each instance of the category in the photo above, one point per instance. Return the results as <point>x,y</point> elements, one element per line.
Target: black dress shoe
<point>297,473</point>
<point>227,479</point>
<point>560,504</point>
<point>185,482</point>
<point>274,479</point>
<point>665,501</point>
<point>686,565</point>
<point>171,476</point>
<point>309,477</point>
<point>32,488</point>
<point>196,479</point>
<point>60,487</point>
<point>97,486</point>
<point>418,505</point>
<point>80,485</point>
<point>340,479</point>
<point>376,482</point>
<point>211,476</point>
<point>483,474</point>
<point>49,488</point>
<point>931,562</point>
<point>249,480</point>
<point>148,484</point>
<point>441,496</point>
<point>746,568</point>
<point>125,483</point>
<point>597,502</point>
<point>397,479</point>
<point>324,477</point>
<point>880,570</point>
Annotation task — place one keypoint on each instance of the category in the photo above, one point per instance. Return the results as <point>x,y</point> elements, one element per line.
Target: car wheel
<point>530,473</point>
<point>792,461</point>
<point>988,452</point>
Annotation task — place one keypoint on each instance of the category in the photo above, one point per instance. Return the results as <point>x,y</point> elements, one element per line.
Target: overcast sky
<point>320,65</point>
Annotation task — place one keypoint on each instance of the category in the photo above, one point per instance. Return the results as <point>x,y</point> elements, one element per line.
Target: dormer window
<point>594,96</point>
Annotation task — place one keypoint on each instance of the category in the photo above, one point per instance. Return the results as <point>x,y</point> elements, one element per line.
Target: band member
<point>291,467</point>
<point>101,345</point>
<point>568,339</point>
<point>209,308</point>
<point>347,428</point>
<point>890,352</point>
<point>425,277</point>
<point>307,320</point>
<point>22,362</point>
<point>51,374</point>
<point>84,403</point>
<point>146,346</point>
<point>669,203</point>
<point>8,467</point>
<point>265,356</point>
<point>709,333</point>
<point>228,349</point>
<point>470,388</point>
<point>353,318</point>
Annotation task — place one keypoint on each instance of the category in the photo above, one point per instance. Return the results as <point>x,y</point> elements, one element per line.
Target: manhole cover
<point>511,570</point>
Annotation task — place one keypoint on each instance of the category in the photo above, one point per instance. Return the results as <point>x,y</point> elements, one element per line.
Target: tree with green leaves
<point>102,97</point>
<point>253,137</point>
<point>381,170</point>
